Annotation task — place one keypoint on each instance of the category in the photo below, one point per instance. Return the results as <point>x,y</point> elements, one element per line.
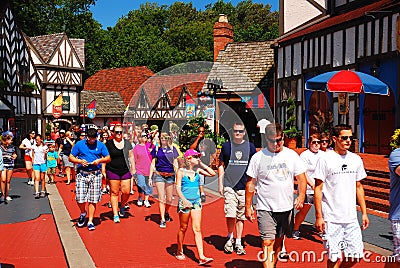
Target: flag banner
<point>57,106</point>
<point>190,106</point>
<point>254,102</point>
<point>91,109</point>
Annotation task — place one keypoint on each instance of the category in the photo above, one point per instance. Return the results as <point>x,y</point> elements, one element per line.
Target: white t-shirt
<point>28,145</point>
<point>39,153</point>
<point>262,124</point>
<point>339,174</point>
<point>310,159</point>
<point>275,173</point>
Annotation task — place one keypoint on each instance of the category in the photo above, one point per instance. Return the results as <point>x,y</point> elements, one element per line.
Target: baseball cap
<point>191,152</point>
<point>62,131</point>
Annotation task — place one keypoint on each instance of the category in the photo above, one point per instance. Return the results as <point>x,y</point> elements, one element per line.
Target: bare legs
<point>6,175</point>
<point>165,197</point>
<point>115,187</point>
<point>195,215</point>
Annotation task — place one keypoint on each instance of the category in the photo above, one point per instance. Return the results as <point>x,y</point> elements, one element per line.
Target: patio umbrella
<point>347,82</point>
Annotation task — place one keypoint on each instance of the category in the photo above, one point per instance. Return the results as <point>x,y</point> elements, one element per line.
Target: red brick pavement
<point>139,242</point>
<point>33,243</point>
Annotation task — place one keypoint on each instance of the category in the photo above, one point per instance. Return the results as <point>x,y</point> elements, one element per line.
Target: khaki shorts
<point>234,203</point>
<point>51,170</point>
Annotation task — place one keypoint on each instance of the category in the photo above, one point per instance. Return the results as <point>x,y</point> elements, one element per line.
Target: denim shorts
<point>196,205</point>
<point>168,179</point>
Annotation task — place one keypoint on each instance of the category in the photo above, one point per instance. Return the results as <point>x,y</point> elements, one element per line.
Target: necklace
<point>119,144</point>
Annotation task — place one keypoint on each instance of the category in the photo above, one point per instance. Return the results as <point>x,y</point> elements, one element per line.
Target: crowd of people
<point>107,160</point>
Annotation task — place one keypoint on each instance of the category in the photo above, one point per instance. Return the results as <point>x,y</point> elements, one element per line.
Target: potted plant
<point>29,87</point>
<point>291,132</point>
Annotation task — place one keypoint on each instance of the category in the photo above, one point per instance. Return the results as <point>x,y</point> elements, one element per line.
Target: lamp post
<point>213,86</point>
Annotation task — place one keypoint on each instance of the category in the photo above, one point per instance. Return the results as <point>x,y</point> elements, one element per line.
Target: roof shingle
<point>125,81</point>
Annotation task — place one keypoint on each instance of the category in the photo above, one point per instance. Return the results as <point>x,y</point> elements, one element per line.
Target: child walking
<point>189,206</point>
<point>39,152</point>
<point>51,162</point>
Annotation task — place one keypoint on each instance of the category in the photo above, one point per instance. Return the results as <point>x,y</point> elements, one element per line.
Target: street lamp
<point>213,86</point>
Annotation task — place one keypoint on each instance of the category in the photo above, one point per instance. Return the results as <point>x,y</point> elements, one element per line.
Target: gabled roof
<point>173,85</point>
<point>45,45</point>
<point>339,19</point>
<point>125,81</point>
<point>107,103</point>
<point>242,66</point>
<point>79,46</point>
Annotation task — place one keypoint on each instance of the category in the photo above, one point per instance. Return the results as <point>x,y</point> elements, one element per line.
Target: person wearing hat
<point>189,206</point>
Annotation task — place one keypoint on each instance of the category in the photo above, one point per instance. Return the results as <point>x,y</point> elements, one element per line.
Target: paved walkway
<point>137,241</point>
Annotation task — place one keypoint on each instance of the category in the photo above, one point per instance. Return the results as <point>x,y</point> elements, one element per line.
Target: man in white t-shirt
<point>338,176</point>
<point>272,171</point>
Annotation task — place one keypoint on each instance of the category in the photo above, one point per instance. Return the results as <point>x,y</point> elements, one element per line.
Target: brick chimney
<point>223,34</point>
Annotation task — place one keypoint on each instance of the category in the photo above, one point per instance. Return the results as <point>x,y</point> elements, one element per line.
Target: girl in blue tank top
<point>189,206</point>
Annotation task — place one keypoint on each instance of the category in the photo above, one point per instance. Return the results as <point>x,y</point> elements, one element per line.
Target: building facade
<point>333,35</point>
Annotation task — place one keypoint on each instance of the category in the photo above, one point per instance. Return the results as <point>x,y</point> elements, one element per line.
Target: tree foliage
<point>156,36</point>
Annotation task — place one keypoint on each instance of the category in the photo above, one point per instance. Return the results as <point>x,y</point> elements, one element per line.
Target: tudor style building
<point>20,109</point>
<point>321,36</point>
<point>60,64</point>
<point>33,72</point>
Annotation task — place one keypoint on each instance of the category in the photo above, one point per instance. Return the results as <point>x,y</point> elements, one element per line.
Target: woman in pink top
<point>141,169</point>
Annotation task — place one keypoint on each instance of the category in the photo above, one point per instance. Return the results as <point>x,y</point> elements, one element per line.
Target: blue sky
<point>107,12</point>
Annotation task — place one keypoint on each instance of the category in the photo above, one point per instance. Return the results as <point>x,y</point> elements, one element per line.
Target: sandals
<point>205,261</point>
<point>180,256</point>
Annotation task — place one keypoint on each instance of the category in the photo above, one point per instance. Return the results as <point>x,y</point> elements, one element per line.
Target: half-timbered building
<point>20,109</point>
<point>319,36</point>
<point>60,64</point>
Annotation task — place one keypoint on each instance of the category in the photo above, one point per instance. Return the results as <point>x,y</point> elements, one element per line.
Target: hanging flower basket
<point>29,88</point>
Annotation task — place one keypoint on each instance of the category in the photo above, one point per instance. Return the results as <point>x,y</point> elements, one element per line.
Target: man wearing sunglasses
<point>337,191</point>
<point>89,154</point>
<point>272,171</point>
<point>233,161</point>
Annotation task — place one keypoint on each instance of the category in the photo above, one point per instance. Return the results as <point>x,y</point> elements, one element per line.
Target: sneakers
<point>8,198</point>
<point>37,195</point>
<point>147,203</point>
<point>116,219</point>
<point>228,248</point>
<point>296,235</point>
<point>132,192</point>
<point>139,202</point>
<point>90,226</point>
<point>240,250</point>
<point>81,220</point>
<point>121,212</point>
<point>203,198</point>
<point>2,199</point>
<point>42,194</point>
<point>163,224</point>
<point>167,217</point>
<point>180,256</point>
<point>127,206</point>
<point>30,182</point>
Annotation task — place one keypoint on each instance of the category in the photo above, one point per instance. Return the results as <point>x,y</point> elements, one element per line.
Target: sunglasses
<point>238,131</point>
<point>144,136</point>
<point>345,138</point>
<point>118,132</point>
<point>324,141</point>
<point>275,140</point>
<point>195,156</point>
<point>316,142</point>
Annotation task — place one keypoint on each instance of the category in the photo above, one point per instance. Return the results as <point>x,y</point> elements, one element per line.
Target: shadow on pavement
<point>188,252</point>
<point>252,240</point>
<point>243,263</point>
<point>6,265</point>
<point>217,241</point>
